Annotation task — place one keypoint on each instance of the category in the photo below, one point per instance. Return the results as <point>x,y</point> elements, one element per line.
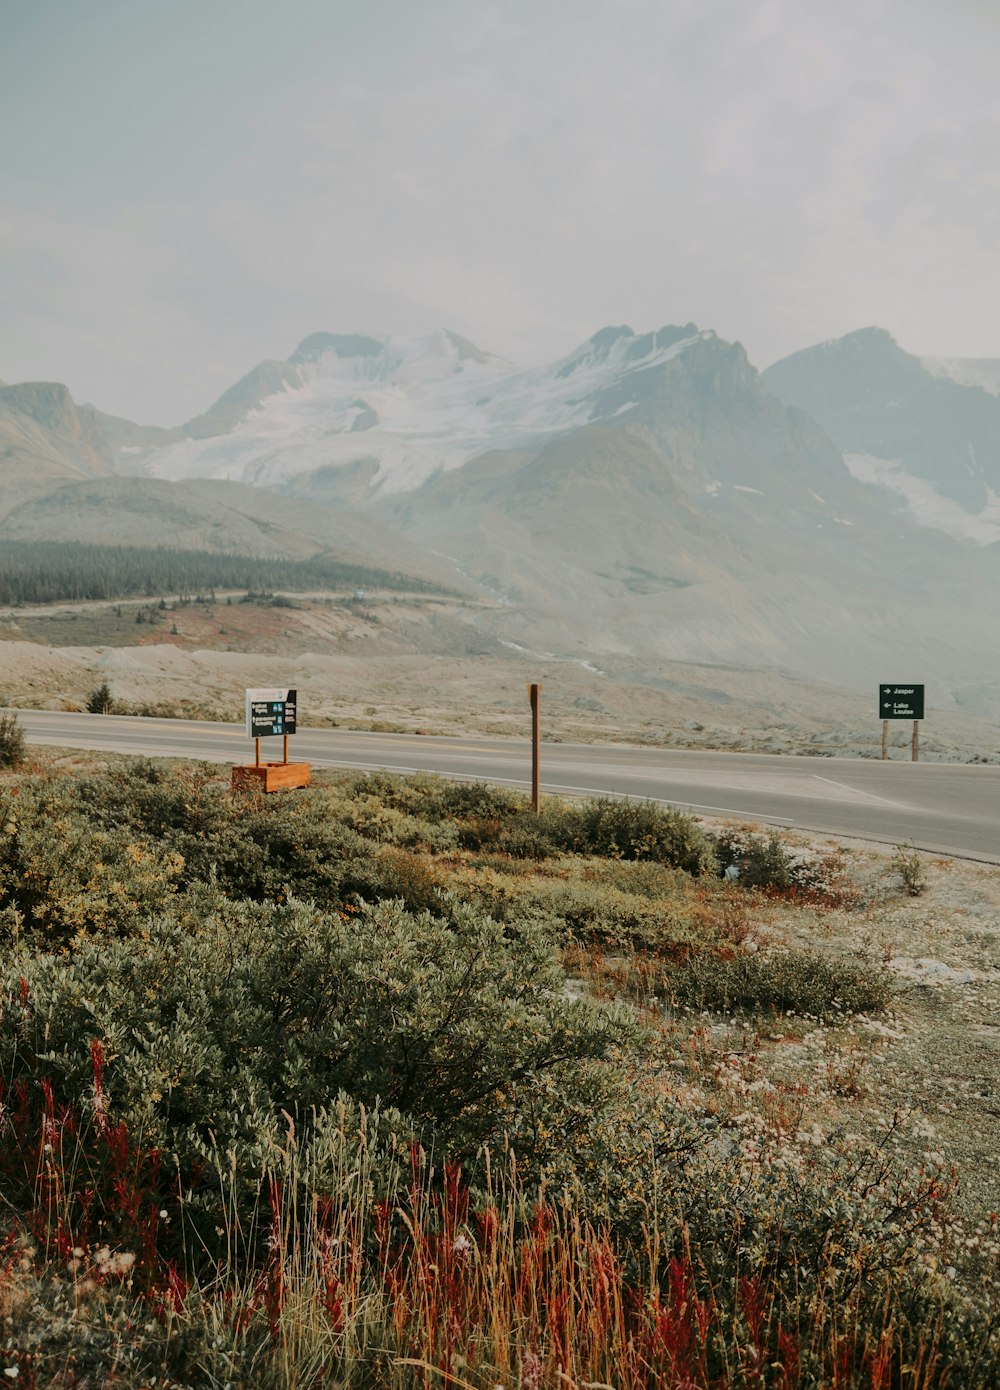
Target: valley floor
<point>416,662</point>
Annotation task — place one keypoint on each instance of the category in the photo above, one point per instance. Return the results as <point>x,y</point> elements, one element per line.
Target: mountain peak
<point>869,334</point>
<point>340,344</point>
<point>47,402</point>
<point>932,440</point>
<point>606,337</point>
<point>468,351</point>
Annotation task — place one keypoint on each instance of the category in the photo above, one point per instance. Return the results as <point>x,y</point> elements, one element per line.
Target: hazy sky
<point>188,186</point>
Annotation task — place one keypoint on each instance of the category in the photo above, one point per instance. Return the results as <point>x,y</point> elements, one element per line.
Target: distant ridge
<point>879,402</point>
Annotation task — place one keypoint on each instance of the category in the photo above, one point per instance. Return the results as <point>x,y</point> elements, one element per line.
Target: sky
<point>188,187</point>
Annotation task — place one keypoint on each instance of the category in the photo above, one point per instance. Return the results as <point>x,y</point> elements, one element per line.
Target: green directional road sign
<point>901,702</point>
<point>269,712</point>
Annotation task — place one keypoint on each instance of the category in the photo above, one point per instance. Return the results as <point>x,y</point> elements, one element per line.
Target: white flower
<point>13,1372</point>
<point>119,1263</point>
<point>461,1245</point>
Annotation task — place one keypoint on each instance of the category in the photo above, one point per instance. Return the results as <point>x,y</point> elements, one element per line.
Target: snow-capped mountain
<point>402,409</point>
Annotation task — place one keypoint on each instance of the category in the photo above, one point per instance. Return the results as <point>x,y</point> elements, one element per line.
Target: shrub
<point>13,746</point>
<point>798,982</point>
<point>263,849</point>
<point>758,862</point>
<point>906,863</point>
<point>767,863</point>
<point>451,1020</point>
<point>388,825</point>
<point>61,876</point>
<point>621,829</point>
<point>99,700</point>
<point>641,878</point>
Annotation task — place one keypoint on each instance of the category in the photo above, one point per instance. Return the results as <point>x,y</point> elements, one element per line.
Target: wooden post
<point>885,738</point>
<point>257,745</point>
<point>286,748</point>
<point>916,738</point>
<point>533,690</point>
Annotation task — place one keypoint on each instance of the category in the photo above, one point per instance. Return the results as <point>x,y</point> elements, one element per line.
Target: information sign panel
<point>270,710</point>
<point>901,702</point>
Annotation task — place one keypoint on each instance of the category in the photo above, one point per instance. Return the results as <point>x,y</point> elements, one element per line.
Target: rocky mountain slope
<point>706,521</point>
<point>914,428</point>
<point>45,437</point>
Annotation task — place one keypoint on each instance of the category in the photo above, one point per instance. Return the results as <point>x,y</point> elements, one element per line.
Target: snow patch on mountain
<point>967,371</point>
<point>419,405</point>
<point>926,505</point>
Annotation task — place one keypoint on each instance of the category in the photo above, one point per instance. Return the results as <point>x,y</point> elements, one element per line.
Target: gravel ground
<point>931,1062</point>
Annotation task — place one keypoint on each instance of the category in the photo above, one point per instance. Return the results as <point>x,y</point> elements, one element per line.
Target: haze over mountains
<point>648,497</point>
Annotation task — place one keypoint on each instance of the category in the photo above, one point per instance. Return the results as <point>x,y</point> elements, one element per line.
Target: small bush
<point>620,829</point>
<point>756,861</point>
<point>769,864</point>
<point>590,913</point>
<point>796,982</point>
<point>13,747</point>
<point>99,700</point>
<point>906,863</point>
<point>387,825</point>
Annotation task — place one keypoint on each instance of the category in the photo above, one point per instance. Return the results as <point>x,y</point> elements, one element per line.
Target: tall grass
<point>424,1280</point>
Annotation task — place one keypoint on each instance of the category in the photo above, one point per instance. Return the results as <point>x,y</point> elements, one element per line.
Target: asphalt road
<point>950,808</point>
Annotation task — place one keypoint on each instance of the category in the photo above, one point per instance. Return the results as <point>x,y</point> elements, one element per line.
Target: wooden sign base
<point>270,777</point>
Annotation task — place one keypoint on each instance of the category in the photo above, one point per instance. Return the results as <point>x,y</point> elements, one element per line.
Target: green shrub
<point>480,800</point>
<point>13,745</point>
<point>451,1020</point>
<point>797,982</point>
<point>387,825</point>
<point>641,878</point>
<point>500,820</point>
<point>61,876</point>
<point>768,863</point>
<point>755,860</point>
<point>621,829</point>
<point>906,863</point>
<point>589,913</point>
<point>263,849</point>
<point>99,700</point>
<point>435,798</point>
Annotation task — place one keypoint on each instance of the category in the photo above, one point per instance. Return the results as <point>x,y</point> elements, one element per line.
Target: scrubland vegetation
<point>392,1083</point>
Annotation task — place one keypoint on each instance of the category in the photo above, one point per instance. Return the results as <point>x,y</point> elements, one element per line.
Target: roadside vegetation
<point>391,1083</point>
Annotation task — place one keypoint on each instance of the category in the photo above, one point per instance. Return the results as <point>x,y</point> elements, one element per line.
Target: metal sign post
<point>901,702</point>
